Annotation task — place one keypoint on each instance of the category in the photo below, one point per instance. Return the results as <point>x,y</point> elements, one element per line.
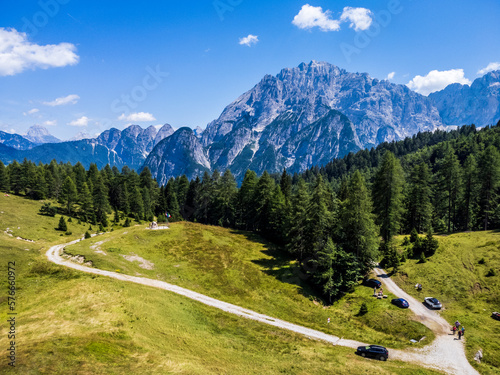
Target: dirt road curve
<point>443,354</point>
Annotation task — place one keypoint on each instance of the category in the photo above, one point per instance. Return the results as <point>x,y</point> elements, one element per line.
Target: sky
<point>85,66</point>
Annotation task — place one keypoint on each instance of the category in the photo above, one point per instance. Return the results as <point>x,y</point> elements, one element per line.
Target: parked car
<point>400,302</point>
<point>373,283</point>
<point>433,303</point>
<point>373,351</point>
<point>495,315</point>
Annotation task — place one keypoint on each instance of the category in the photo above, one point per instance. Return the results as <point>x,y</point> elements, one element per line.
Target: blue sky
<point>85,66</point>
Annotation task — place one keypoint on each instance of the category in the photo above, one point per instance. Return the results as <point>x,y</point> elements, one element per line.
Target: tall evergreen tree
<point>451,185</point>
<point>262,201</point>
<point>489,176</point>
<point>469,205</point>
<point>318,219</point>
<point>4,178</point>
<point>419,207</point>
<point>171,200</point>
<point>388,195</point>
<point>100,200</point>
<point>358,230</point>
<point>226,199</point>
<point>245,211</point>
<point>86,204</point>
<point>298,241</point>
<point>69,195</point>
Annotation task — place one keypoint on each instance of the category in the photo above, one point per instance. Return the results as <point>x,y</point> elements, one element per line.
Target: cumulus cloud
<point>360,18</point>
<point>437,80</point>
<point>137,117</point>
<point>249,40</point>
<point>310,17</point>
<point>491,67</point>
<point>50,123</point>
<point>31,112</point>
<point>18,54</point>
<point>70,99</point>
<point>82,121</point>
<point>390,76</point>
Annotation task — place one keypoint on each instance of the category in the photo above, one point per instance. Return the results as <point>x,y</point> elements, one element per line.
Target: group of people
<point>461,331</point>
<point>380,293</point>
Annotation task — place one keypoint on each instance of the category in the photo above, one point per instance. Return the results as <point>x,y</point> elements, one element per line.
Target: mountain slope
<point>477,104</point>
<point>181,153</point>
<point>15,141</point>
<point>39,135</point>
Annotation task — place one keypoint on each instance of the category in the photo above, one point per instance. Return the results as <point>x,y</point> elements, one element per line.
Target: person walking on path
<point>463,330</point>
<point>457,324</point>
<point>459,335</point>
<point>454,329</point>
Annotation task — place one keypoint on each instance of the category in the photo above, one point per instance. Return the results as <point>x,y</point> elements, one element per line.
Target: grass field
<point>70,322</point>
<point>456,275</point>
<point>240,268</point>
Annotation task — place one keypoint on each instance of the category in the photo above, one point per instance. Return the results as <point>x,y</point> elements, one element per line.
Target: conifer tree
<point>86,203</point>
<point>171,200</point>
<point>245,211</point>
<point>298,244</point>
<point>4,178</point>
<point>100,201</point>
<point>262,201</point>
<point>419,199</point>
<point>358,229</point>
<point>388,195</point>
<point>69,195</point>
<point>62,226</point>
<point>489,176</point>
<point>469,206</point>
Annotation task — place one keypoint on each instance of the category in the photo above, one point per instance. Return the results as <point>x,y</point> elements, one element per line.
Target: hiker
<point>463,330</point>
<point>457,324</point>
<point>459,335</point>
<point>454,329</point>
<point>375,291</point>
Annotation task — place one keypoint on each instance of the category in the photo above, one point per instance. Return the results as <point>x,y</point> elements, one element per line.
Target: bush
<point>87,235</point>
<point>363,309</point>
<point>101,228</point>
<point>481,261</point>
<point>48,210</point>
<point>413,236</point>
<point>406,241</point>
<point>68,233</point>
<point>127,222</point>
<point>62,225</point>
<point>70,220</point>
<point>423,259</point>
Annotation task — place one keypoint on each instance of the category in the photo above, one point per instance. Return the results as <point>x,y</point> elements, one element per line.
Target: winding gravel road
<point>444,354</point>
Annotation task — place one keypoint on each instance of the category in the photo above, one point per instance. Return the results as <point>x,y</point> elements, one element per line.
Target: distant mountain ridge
<point>303,116</point>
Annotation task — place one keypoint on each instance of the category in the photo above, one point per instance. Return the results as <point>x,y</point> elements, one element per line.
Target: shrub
<point>70,220</point>
<point>68,233</point>
<point>363,309</point>
<point>127,222</point>
<point>48,210</point>
<point>481,261</point>
<point>101,228</point>
<point>413,235</point>
<point>87,235</point>
<point>423,259</point>
<point>62,225</point>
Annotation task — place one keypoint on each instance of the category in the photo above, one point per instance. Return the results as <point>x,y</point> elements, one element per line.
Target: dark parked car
<point>495,315</point>
<point>433,303</point>
<point>400,302</point>
<point>373,351</point>
<point>373,283</point>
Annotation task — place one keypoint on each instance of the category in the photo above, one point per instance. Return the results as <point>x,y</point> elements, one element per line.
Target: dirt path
<point>446,349</point>
<point>443,354</point>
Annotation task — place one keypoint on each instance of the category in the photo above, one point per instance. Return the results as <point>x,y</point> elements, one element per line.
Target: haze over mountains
<point>303,116</point>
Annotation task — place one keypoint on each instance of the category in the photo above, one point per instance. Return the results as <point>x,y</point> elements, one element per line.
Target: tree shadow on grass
<point>280,265</point>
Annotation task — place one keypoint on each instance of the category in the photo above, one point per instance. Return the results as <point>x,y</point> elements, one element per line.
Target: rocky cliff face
<point>40,135</point>
<point>281,111</point>
<point>477,104</point>
<point>181,153</point>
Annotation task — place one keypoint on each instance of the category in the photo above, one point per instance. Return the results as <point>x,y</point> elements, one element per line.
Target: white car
<point>433,303</point>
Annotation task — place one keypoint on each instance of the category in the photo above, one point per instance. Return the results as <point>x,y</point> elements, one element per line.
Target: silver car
<point>433,303</point>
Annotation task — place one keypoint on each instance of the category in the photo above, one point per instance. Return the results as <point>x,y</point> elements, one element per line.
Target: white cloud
<point>491,67</point>
<point>82,121</point>
<point>310,17</point>
<point>437,80</point>
<point>137,117</point>
<point>249,40</point>
<point>50,123</point>
<point>70,99</point>
<point>390,76</point>
<point>18,54</point>
<point>360,18</point>
<point>31,112</point>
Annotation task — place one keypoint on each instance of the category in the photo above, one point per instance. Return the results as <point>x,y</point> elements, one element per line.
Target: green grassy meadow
<point>71,322</point>
<point>456,275</point>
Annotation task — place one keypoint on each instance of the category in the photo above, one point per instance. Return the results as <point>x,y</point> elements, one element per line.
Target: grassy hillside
<point>240,268</point>
<point>456,275</point>
<point>70,322</point>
